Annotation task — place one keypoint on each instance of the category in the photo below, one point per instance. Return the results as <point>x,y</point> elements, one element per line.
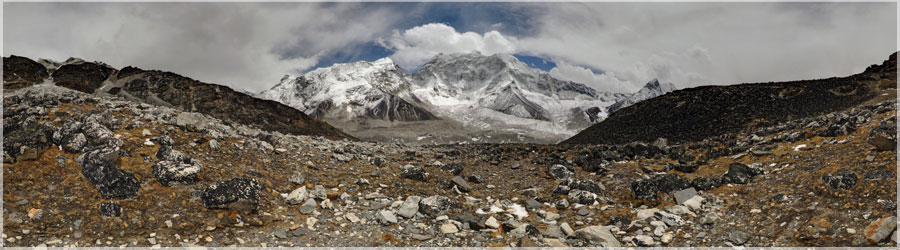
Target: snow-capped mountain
<point>376,89</point>
<point>652,89</point>
<point>499,82</point>
<point>496,92</point>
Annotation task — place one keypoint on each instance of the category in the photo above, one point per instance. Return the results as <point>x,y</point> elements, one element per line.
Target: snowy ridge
<point>650,90</point>
<point>349,90</point>
<point>496,92</point>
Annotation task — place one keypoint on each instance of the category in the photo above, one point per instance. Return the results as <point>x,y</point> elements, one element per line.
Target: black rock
<point>20,72</point>
<point>560,172</point>
<point>582,197</point>
<point>586,185</point>
<point>110,209</point>
<point>413,172</point>
<point>532,204</point>
<point>738,173</point>
<point>842,179</point>
<point>666,183</point>
<point>110,181</point>
<point>454,168</point>
<point>877,175</point>
<point>884,137</point>
<point>476,179</point>
<point>685,167</point>
<point>84,77</point>
<point>378,161</point>
<point>434,205</point>
<point>461,184</point>
<point>163,141</point>
<point>644,189</point>
<point>562,189</point>
<point>475,223</point>
<point>240,193</point>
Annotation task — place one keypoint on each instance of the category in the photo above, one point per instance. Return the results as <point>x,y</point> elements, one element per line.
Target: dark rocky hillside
<point>20,72</point>
<point>698,113</point>
<point>169,89</point>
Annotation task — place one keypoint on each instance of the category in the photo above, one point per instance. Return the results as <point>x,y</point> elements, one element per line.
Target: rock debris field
<point>99,171</point>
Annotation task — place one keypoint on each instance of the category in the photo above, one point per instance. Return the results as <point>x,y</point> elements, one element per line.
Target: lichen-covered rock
<point>110,181</point>
<point>842,179</point>
<point>706,183</point>
<point>170,171</point>
<point>240,193</point>
<point>560,172</point>
<point>110,209</point>
<point>666,183</point>
<point>884,137</point>
<point>413,172</point>
<point>739,173</point>
<point>582,197</point>
<point>434,205</point>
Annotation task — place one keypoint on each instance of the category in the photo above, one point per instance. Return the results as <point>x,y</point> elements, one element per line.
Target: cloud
<point>693,44</point>
<point>413,47</point>
<point>604,81</point>
<point>244,45</point>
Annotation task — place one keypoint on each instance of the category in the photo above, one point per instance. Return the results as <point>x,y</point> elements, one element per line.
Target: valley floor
<point>791,188</point>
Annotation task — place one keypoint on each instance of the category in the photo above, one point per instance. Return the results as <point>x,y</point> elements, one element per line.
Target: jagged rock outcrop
<point>20,72</point>
<point>85,76</point>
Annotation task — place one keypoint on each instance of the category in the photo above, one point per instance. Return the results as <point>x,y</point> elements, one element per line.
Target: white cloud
<point>604,81</point>
<point>413,47</point>
<point>693,44</point>
<point>244,45</point>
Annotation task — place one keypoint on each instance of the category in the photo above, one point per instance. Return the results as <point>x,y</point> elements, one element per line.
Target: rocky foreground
<point>98,170</point>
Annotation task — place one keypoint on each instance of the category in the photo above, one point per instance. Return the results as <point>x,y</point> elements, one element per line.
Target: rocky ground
<point>96,170</point>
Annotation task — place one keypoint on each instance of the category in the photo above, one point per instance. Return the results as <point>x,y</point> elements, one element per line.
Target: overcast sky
<point>608,46</point>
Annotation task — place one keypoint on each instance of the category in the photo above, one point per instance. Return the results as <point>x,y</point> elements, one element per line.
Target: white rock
<point>643,214</point>
<point>449,228</point>
<point>644,240</point>
<point>666,238</point>
<point>352,217</point>
<point>492,223</point>
<point>851,231</point>
<point>146,132</point>
<point>552,242</point>
<point>297,196</point>
<point>659,231</point>
<point>694,203</point>
<point>598,236</point>
<point>567,229</point>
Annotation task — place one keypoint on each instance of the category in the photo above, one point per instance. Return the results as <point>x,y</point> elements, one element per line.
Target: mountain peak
<point>652,84</point>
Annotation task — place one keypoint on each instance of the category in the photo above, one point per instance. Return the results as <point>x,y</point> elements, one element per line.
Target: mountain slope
<point>697,113</point>
<point>478,92</point>
<point>650,90</point>
<point>500,82</point>
<point>183,93</point>
<point>350,90</point>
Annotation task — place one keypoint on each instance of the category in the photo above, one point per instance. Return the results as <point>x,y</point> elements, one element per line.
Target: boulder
<point>560,172</point>
<point>240,193</point>
<point>841,179</point>
<point>413,173</point>
<point>434,205</point>
<point>170,171</point>
<point>597,236</point>
<point>884,137</point>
